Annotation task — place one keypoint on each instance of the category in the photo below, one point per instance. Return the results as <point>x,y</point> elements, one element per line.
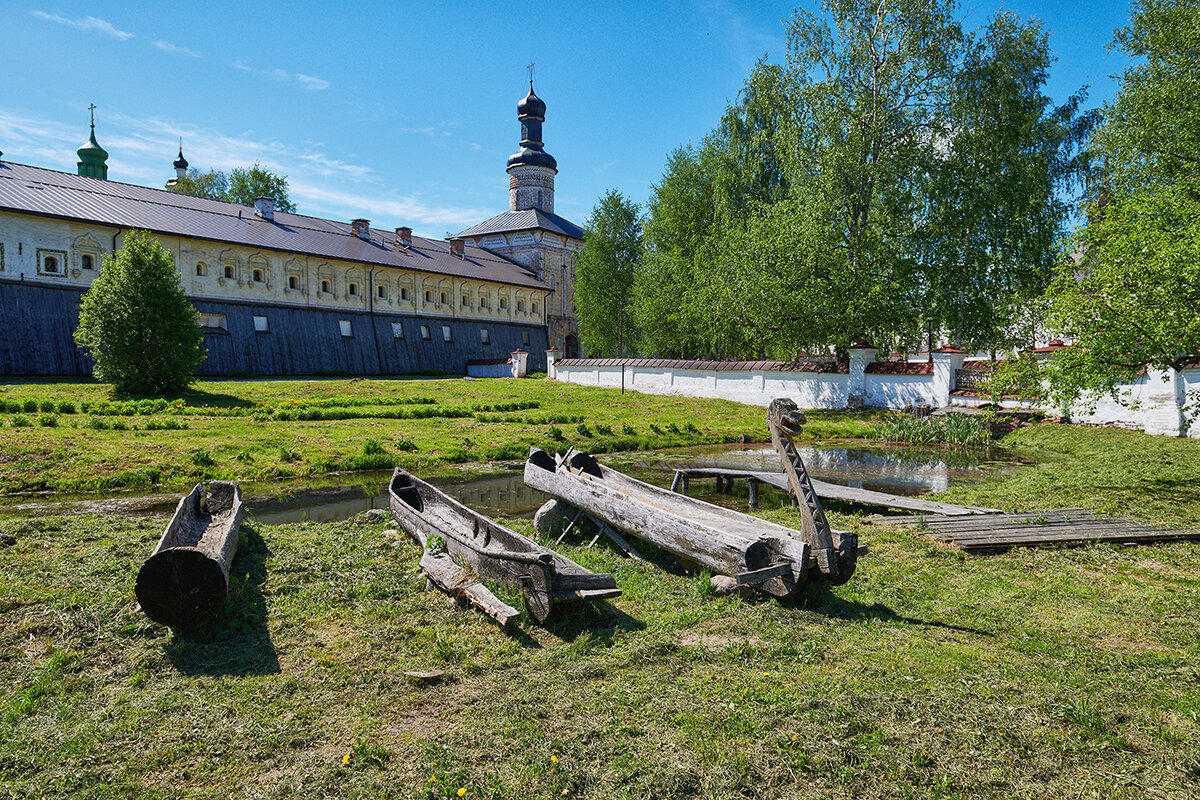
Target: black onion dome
<point>528,155</point>
<point>181,162</point>
<point>531,106</point>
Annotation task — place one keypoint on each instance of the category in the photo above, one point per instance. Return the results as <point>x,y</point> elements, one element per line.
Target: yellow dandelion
<point>553,759</point>
<point>462,790</point>
<point>346,758</point>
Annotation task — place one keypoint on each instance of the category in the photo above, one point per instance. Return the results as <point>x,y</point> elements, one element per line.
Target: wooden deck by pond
<point>1060,527</point>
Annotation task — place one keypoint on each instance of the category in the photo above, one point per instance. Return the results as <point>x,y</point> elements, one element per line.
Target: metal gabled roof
<point>529,219</point>
<point>45,192</point>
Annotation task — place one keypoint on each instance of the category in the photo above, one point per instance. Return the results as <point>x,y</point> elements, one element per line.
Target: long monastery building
<point>288,294</point>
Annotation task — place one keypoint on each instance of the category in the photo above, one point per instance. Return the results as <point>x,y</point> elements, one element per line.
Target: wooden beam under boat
<point>186,578</point>
<point>719,539</point>
<point>441,524</point>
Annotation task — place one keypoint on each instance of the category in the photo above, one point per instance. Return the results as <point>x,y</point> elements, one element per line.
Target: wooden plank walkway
<point>825,491</point>
<point>1060,527</point>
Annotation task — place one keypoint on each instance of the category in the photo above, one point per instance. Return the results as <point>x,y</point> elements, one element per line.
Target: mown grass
<point>1068,673</point>
<point>78,438</point>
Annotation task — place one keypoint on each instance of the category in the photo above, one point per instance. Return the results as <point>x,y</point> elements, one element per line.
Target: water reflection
<point>896,470</point>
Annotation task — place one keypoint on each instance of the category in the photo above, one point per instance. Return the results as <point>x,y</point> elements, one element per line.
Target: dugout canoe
<point>186,579</point>
<point>449,529</point>
<point>771,558</point>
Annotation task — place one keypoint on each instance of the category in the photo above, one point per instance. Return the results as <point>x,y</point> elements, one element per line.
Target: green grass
<point>1048,673</point>
<point>262,430</point>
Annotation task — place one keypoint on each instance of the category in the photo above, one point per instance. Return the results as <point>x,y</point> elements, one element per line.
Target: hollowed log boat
<point>771,558</point>
<point>186,578</point>
<point>460,537</point>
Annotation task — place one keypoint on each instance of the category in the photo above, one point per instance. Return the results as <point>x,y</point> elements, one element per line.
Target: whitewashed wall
<point>1156,403</point>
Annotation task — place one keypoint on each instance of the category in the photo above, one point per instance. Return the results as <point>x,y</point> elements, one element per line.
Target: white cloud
<point>86,24</point>
<point>174,49</point>
<point>310,82</point>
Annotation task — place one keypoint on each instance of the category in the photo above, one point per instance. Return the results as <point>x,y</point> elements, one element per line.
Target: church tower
<point>530,233</point>
<point>92,157</point>
<point>531,169</point>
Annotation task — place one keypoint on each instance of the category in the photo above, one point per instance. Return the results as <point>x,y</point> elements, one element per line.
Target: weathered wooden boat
<point>186,579</point>
<point>835,552</point>
<point>769,557</point>
<point>454,536</point>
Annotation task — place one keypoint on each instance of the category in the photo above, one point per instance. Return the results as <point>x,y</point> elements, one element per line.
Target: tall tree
<point>1128,288</point>
<point>604,275</point>
<point>242,185</point>
<point>248,184</point>
<point>996,201</point>
<point>136,323</point>
<point>211,184</point>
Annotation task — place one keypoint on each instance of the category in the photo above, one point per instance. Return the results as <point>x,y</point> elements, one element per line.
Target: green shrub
<point>96,422</point>
<point>603,430</point>
<point>556,433</point>
<point>66,407</point>
<point>46,406</point>
<point>372,447</point>
<point>288,455</point>
<point>48,421</point>
<point>136,323</point>
<point>30,406</point>
<point>20,421</point>
<point>406,445</point>
<point>120,425</point>
<point>201,458</point>
<point>582,430</point>
<point>628,430</point>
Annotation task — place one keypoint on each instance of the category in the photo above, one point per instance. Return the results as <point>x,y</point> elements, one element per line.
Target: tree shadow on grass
<point>601,619</point>
<point>824,602</point>
<point>239,642</point>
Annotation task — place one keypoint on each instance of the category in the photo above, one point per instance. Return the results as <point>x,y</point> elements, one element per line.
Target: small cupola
<point>180,164</point>
<point>92,157</point>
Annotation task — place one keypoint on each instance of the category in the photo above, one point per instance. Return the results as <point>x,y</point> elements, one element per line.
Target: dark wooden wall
<point>36,323</point>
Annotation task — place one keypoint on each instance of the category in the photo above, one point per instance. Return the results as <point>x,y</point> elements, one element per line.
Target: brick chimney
<point>404,236</point>
<point>457,246</point>
<point>265,207</point>
<point>361,228</point>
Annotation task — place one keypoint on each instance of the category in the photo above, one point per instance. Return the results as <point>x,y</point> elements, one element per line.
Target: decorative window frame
<point>61,255</point>
<point>86,246</point>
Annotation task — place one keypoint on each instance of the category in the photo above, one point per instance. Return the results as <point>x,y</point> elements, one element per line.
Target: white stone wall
<point>1155,403</point>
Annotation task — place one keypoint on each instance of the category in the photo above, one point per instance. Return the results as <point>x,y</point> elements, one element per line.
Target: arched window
<point>86,262</point>
<point>228,271</point>
<point>381,291</point>
<point>352,290</point>
<point>256,276</point>
<point>325,287</point>
<point>293,282</point>
<point>201,269</point>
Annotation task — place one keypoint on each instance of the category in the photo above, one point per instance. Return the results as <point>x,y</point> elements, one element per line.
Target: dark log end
<point>403,488</point>
<point>542,459</point>
<point>181,587</point>
<point>586,462</point>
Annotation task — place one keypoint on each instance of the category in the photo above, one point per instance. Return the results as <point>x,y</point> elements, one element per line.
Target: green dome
<point>90,152</point>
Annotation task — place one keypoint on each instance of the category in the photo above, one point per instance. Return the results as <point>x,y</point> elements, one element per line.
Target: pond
<point>897,470</point>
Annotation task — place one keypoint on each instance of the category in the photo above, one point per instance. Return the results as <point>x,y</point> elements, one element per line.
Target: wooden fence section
<point>1062,527</point>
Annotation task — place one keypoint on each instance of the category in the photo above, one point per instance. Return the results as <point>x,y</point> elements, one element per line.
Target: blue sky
<point>404,113</point>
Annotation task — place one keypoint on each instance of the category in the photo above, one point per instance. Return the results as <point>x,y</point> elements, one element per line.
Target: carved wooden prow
<point>835,555</point>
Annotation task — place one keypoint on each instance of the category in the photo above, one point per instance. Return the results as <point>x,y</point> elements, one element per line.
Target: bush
<point>48,421</point>
<point>582,430</point>
<point>20,422</point>
<point>202,458</point>
<point>66,407</point>
<point>46,406</point>
<point>29,406</point>
<point>136,323</point>
<point>556,433</point>
<point>372,447</point>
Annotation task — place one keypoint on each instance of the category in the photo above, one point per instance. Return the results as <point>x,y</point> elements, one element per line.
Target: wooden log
<point>753,492</point>
<point>719,539</point>
<point>186,579</point>
<point>458,582</point>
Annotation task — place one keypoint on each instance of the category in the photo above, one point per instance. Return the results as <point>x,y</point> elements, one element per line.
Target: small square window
<point>213,322</point>
<point>293,282</point>
<point>51,262</point>
<point>325,287</point>
<point>483,302</point>
<point>521,306</point>
<point>381,292</point>
<point>260,324</point>
<point>428,296</point>
<point>503,303</point>
<point>525,338</point>
<point>398,330</point>
<point>86,262</point>
<point>483,336</point>
<point>446,334</point>
<point>533,307</point>
<point>443,298</point>
<point>347,330</point>
<point>425,333</point>
<point>352,289</point>
<point>466,301</point>
<point>404,294</point>
<point>256,276</point>
<point>228,271</point>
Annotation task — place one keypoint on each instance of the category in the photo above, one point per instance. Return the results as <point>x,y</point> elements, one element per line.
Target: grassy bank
<point>74,437</point>
<point>1034,674</point>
